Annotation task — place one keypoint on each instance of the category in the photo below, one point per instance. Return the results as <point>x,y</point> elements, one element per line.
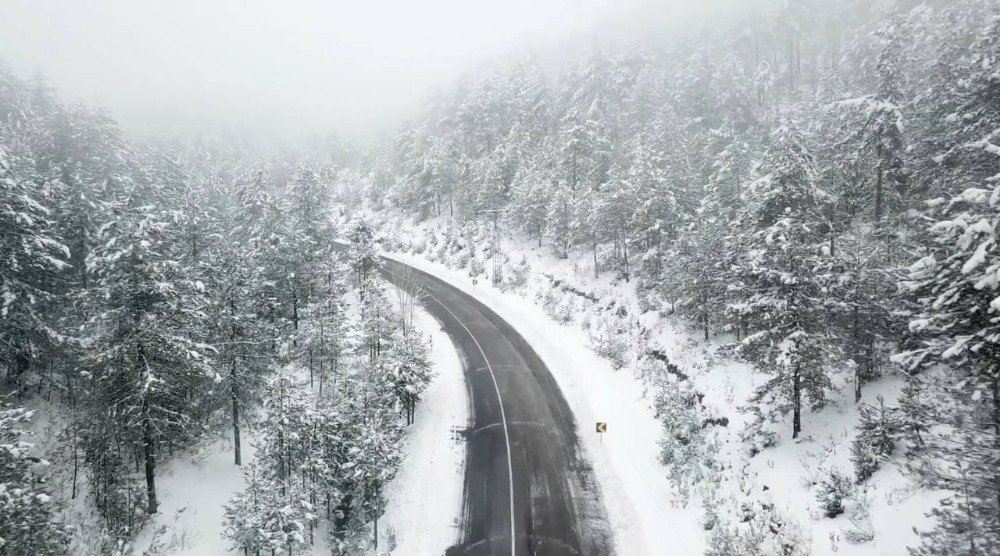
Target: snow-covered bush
<point>419,247</point>
<point>760,531</point>
<point>686,449</point>
<point>756,435</point>
<point>557,305</point>
<point>460,259</point>
<point>878,431</point>
<point>709,515</point>
<point>610,337</point>
<point>832,491</point>
<point>565,310</point>
<point>859,513</point>
<point>476,267</point>
<point>517,276</point>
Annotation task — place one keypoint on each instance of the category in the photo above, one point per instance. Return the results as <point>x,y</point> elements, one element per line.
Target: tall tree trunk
<point>625,256</point>
<point>236,413</point>
<point>704,307</point>
<point>878,181</point>
<point>150,457</point>
<point>234,384</point>
<point>594,248</point>
<point>858,357</point>
<point>796,402</point>
<point>76,458</point>
<point>295,312</point>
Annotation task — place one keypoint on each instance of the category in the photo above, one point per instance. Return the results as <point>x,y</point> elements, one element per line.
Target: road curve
<point>527,489</point>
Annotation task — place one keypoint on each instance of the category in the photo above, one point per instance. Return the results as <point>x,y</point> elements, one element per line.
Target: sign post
<point>602,428</point>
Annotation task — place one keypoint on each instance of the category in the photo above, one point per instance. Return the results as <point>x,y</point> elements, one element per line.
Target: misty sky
<point>291,68</point>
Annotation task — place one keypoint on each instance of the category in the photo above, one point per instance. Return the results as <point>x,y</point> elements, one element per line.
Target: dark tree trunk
<point>236,415</point>
<point>858,358</point>
<point>878,183</point>
<point>594,248</point>
<point>796,402</point>
<point>150,457</point>
<point>625,258</point>
<point>234,385</point>
<point>295,311</point>
<point>76,458</point>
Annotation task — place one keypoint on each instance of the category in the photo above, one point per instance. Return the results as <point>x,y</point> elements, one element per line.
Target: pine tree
<point>149,361</point>
<point>784,230</point>
<point>30,258</point>
<point>878,129</point>
<point>879,431</point>
<point>955,287</point>
<point>704,253</point>
<point>29,524</point>
<point>833,489</point>
<point>687,450</point>
<point>955,364</point>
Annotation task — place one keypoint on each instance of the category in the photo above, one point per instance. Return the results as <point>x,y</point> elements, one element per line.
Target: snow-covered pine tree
<point>956,365</point>
<point>409,369</point>
<point>879,430</point>
<point>562,227</point>
<point>30,258</point>
<point>28,513</point>
<point>322,340</point>
<point>956,287</point>
<point>704,253</point>
<point>530,193</point>
<point>783,226</point>
<point>362,256</point>
<point>687,450</point>
<point>877,126</point>
<point>150,365</point>
<point>281,488</point>
<point>833,489</point>
<point>859,283</point>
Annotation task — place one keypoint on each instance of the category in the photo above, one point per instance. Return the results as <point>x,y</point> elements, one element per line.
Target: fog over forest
<point>295,70</point>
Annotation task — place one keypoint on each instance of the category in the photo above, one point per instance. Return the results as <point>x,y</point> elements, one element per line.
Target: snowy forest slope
<point>154,299</point>
<point>817,183</point>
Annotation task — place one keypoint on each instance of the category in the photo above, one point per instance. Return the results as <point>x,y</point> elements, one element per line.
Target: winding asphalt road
<point>528,491</point>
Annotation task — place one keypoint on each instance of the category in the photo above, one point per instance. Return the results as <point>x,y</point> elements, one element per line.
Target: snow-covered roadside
<point>641,506</point>
<point>779,485</point>
<point>425,497</point>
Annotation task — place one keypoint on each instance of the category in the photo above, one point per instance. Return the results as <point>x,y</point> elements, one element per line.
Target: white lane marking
<point>503,414</point>
<point>503,418</point>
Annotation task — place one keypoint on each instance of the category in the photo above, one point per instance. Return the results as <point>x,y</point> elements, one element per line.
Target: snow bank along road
<point>527,489</point>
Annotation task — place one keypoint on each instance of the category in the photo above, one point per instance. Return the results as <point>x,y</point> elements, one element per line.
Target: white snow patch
<point>193,491</point>
<point>425,498</point>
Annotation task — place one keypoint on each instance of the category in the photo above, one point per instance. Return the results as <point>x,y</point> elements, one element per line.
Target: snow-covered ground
<point>193,491</point>
<point>647,513</point>
<point>425,498</point>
